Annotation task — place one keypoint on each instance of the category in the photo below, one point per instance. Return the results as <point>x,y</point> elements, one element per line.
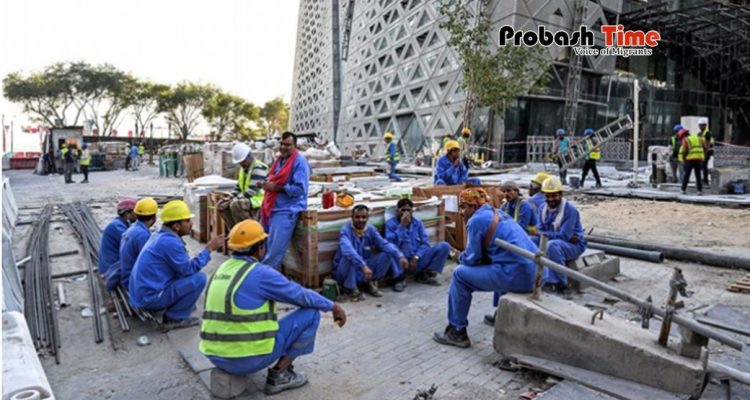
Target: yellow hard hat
<point>451,144</point>
<point>540,178</point>
<point>552,185</point>
<point>245,234</point>
<point>466,130</point>
<point>388,135</point>
<point>146,206</point>
<point>175,210</point>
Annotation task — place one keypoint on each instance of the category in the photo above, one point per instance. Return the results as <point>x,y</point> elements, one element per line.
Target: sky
<point>245,47</point>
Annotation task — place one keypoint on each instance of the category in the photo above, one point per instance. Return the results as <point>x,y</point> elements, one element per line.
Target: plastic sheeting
<point>12,289</point>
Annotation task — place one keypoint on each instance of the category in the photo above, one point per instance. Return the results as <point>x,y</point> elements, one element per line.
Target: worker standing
<point>247,196</point>
<point>450,170</point>
<point>240,333</point>
<point>109,246</point>
<point>141,151</point>
<point>285,197</point>
<point>391,156</point>
<point>409,235</point>
<point>68,154</point>
<point>675,143</point>
<point>355,264</point>
<point>164,277</point>
<point>560,222</point>
<point>85,162</point>
<point>693,153</point>
<point>463,143</point>
<point>562,146</point>
<point>536,197</point>
<point>484,266</point>
<point>134,159</point>
<point>135,237</point>
<point>708,139</point>
<point>593,154</point>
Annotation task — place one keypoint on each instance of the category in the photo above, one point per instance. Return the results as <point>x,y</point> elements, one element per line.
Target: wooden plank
<point>615,387</point>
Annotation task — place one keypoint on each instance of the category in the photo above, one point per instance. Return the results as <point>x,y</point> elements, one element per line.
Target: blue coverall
<point>391,150</point>
<point>164,276</point>
<point>536,202</point>
<point>296,334</point>
<point>289,203</point>
<point>526,218</point>
<point>133,241</point>
<point>446,173</point>
<point>355,252</point>
<point>414,241</point>
<point>559,248</point>
<point>109,246</point>
<point>507,271</point>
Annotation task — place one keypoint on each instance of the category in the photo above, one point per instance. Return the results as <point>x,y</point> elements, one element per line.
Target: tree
<point>229,114</point>
<point>104,93</point>
<point>143,98</point>
<point>274,116</point>
<point>183,105</point>
<point>490,78</point>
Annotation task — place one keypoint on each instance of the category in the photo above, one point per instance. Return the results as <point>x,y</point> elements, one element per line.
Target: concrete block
<point>561,331</point>
<point>692,343</point>
<point>596,264</point>
<point>226,386</point>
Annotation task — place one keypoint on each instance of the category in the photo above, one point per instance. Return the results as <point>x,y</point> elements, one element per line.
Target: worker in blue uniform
<point>240,333</point>
<point>409,235</point>
<point>484,266</point>
<point>135,238</point>
<point>355,263</point>
<point>560,222</point>
<point>164,277</point>
<point>450,169</point>
<point>285,198</point>
<point>561,150</point>
<point>536,197</point>
<point>392,156</point>
<point>109,246</point>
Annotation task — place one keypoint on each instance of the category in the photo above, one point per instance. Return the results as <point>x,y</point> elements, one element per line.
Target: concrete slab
<point>559,330</point>
<point>596,264</point>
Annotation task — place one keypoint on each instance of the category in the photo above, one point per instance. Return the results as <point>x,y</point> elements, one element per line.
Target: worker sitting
<point>164,277</point>
<point>484,266</point>
<point>409,235</point>
<point>450,169</point>
<point>109,245</point>
<point>136,237</point>
<point>247,196</point>
<point>355,265</point>
<point>536,197</point>
<point>560,222</point>
<point>240,334</point>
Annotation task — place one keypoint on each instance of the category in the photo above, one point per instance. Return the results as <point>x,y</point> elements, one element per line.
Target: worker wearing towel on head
<point>240,333</point>
<point>355,263</point>
<point>164,277</point>
<point>135,238</point>
<point>285,197</point>
<point>484,266</point>
<point>560,222</point>
<point>109,246</point>
<point>536,197</point>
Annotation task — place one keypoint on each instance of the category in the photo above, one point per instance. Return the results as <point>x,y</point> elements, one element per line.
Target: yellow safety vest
<point>396,156</point>
<point>229,331</point>
<point>243,181</point>
<point>595,153</point>
<point>695,148</point>
<point>141,150</point>
<point>85,158</point>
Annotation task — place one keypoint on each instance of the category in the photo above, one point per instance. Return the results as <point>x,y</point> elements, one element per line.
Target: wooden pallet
<point>742,285</point>
<point>193,166</point>
<point>215,225</point>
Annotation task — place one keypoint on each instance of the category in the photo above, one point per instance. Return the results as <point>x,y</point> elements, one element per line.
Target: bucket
<point>575,182</point>
<point>330,289</point>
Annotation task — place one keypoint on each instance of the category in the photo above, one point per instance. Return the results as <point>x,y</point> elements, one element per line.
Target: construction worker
<point>517,207</point>
<point>409,235</point>
<point>484,266</point>
<point>463,143</point>
<point>247,197</point>
<point>675,143</point>
<point>593,154</point>
<point>536,197</point>
<point>134,159</point>
<point>68,154</point>
<point>285,197</point>
<point>450,170</point>
<point>354,263</point>
<point>391,156</point>
<point>128,160</point>
<point>109,246</point>
<point>164,277</point>
<point>135,237</point>
<point>85,162</point>
<point>244,287</point>
<point>708,139</point>
<point>693,152</point>
<point>562,146</point>
<point>141,151</point>
<point>560,222</point>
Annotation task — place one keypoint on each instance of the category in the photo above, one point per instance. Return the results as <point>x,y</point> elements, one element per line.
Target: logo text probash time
<point>614,35</point>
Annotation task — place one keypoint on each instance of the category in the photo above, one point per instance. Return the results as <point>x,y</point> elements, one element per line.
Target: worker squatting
<point>240,331</point>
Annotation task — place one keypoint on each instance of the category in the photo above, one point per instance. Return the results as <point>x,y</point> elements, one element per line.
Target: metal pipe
<point>677,253</point>
<point>686,322</point>
<point>725,370</point>
<point>63,253</point>
<point>61,299</point>
<point>653,256</point>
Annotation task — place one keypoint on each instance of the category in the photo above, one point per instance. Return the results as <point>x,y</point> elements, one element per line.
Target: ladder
<point>577,151</point>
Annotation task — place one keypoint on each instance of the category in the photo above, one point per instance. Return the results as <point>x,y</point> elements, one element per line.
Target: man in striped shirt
<point>247,196</point>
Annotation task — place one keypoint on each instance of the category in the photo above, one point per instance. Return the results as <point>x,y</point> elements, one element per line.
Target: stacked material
<point>192,193</point>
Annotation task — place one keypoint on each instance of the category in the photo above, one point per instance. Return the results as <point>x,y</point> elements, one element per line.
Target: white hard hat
<point>240,151</point>
<point>703,121</point>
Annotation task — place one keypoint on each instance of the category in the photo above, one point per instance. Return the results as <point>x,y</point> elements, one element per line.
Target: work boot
<point>598,186</point>
<point>372,290</point>
<point>427,278</point>
<point>354,295</point>
<point>489,319</point>
<point>170,323</point>
<point>452,337</point>
<point>279,381</point>
<point>399,283</point>
<point>700,193</point>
